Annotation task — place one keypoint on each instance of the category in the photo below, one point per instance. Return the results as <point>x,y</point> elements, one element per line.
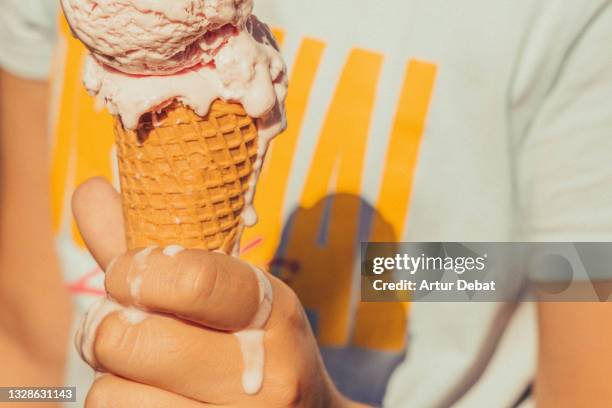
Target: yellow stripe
<point>404,146</point>
<point>324,281</point>
<point>83,134</point>
<point>343,137</point>
<point>94,142</point>
<point>382,326</point>
<point>65,133</point>
<point>279,35</point>
<point>272,183</point>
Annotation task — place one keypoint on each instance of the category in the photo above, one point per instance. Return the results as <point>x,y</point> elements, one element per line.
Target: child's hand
<point>182,351</point>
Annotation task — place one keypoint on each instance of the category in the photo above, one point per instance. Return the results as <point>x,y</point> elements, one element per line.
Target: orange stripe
<point>382,326</point>
<point>272,184</point>
<point>83,134</point>
<point>64,28</point>
<point>65,133</point>
<point>404,145</point>
<point>343,137</point>
<point>94,142</point>
<point>325,280</point>
<point>279,34</point>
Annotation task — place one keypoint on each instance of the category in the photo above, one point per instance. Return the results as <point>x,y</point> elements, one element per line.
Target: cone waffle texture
<point>184,177</point>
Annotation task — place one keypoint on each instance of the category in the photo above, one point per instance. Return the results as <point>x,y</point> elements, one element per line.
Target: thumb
<point>97,209</point>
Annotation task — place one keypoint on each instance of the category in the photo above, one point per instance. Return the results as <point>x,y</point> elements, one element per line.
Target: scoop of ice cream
<point>154,36</point>
<point>246,68</point>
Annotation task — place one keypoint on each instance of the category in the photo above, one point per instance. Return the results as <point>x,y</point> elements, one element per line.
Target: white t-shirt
<point>417,120</point>
<point>27,36</point>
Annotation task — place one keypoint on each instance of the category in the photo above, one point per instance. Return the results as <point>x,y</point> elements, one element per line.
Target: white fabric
<point>27,36</point>
<point>517,147</point>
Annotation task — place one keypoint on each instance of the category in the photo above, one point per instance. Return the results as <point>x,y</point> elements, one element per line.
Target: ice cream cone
<point>184,177</point>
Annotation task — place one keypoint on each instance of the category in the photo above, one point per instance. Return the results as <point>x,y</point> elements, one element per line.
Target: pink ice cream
<point>152,36</point>
<point>144,54</point>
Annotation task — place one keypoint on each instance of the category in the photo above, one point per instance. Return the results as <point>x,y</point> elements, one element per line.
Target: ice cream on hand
<point>197,89</point>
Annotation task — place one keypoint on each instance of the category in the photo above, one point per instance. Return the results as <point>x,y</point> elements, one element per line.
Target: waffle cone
<point>184,177</point>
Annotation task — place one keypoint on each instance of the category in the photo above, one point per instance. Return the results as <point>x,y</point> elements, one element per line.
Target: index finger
<point>208,288</point>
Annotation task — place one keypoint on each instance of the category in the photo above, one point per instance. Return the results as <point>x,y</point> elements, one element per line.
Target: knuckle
<point>295,316</point>
<point>290,394</point>
<point>115,272</point>
<point>197,279</point>
<point>99,395</point>
<point>113,339</point>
